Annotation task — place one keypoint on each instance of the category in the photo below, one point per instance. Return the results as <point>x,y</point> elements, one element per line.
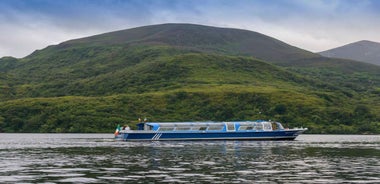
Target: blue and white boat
<point>238,130</point>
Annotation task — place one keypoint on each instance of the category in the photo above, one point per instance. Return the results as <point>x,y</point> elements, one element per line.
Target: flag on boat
<point>117,129</point>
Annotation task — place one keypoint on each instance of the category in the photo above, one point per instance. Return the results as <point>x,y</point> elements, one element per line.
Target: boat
<point>236,130</point>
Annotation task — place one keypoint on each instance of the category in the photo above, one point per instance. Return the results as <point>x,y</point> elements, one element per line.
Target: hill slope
<point>199,38</point>
<point>177,72</point>
<point>366,51</point>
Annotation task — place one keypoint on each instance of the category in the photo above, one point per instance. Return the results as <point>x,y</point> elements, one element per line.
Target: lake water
<point>97,158</point>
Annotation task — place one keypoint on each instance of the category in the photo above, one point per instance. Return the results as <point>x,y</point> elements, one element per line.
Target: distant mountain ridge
<point>365,51</point>
<point>201,38</point>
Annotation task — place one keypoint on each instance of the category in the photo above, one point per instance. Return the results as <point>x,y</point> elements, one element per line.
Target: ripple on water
<point>79,158</point>
<point>79,180</point>
<point>16,178</point>
<point>116,178</point>
<point>175,169</point>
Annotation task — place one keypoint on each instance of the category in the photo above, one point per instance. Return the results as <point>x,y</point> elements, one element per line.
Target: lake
<point>97,158</point>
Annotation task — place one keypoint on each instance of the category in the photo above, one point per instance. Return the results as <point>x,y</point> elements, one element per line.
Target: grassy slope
<point>93,83</point>
<point>174,85</point>
<point>226,102</point>
<point>135,69</point>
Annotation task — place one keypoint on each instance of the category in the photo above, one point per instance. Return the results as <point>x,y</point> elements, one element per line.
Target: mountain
<point>200,38</point>
<point>184,72</point>
<point>110,60</point>
<point>365,51</point>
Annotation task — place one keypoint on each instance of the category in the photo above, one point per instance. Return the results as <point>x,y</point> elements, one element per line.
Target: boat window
<point>279,126</point>
<point>258,126</point>
<point>199,128</point>
<point>243,127</point>
<point>215,128</point>
<point>274,126</point>
<point>166,128</point>
<point>246,128</point>
<point>183,128</point>
<point>195,128</point>
<point>203,128</point>
<point>230,126</point>
<point>267,126</point>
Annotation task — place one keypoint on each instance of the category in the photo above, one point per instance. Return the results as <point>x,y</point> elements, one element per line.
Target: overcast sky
<point>314,25</point>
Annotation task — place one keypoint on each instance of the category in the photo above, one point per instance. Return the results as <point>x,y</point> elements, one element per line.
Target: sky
<point>314,25</point>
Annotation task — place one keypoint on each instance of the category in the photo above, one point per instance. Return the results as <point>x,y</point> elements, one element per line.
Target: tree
<point>280,109</point>
<point>362,111</point>
<point>1,123</point>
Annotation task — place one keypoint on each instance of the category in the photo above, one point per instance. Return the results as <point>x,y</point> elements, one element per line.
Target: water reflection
<point>96,158</point>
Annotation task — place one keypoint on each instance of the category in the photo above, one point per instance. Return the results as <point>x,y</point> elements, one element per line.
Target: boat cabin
<point>211,126</point>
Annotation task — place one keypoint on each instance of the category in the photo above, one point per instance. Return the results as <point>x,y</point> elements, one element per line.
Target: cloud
<point>27,25</point>
<point>312,25</point>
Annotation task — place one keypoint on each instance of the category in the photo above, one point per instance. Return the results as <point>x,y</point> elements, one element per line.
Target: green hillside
<point>184,72</point>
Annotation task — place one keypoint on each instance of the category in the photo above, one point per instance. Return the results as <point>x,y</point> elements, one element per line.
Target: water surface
<point>97,158</point>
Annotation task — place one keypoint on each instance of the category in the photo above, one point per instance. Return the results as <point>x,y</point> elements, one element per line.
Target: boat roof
<point>204,123</point>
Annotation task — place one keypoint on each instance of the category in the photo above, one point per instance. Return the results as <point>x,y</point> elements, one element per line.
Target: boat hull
<point>236,135</point>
